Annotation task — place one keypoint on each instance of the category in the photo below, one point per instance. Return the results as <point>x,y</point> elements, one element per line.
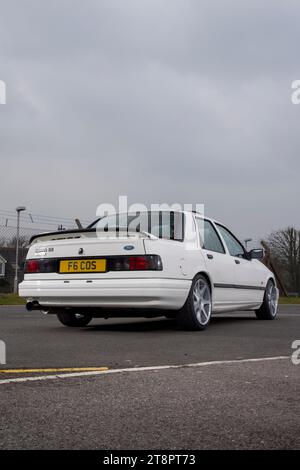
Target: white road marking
<point>140,369</point>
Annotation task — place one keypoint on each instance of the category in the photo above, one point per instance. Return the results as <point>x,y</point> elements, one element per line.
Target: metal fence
<point>8,239</point>
<point>8,233</point>
<point>31,224</point>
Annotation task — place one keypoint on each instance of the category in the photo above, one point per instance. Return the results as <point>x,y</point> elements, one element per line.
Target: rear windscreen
<point>162,224</point>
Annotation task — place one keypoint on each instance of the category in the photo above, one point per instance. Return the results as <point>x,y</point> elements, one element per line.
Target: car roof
<point>203,216</point>
<point>179,211</point>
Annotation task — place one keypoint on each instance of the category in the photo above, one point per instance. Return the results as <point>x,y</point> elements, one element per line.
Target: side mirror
<point>257,253</point>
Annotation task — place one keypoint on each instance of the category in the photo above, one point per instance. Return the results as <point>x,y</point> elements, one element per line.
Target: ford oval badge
<point>128,247</point>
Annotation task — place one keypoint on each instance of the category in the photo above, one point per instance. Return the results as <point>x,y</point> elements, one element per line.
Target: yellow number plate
<point>82,266</point>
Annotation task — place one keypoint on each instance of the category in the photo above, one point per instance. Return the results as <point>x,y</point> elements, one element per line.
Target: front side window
<point>235,248</point>
<point>2,269</point>
<point>210,240</point>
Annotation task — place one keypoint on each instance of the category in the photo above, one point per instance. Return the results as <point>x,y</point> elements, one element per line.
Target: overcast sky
<point>162,100</point>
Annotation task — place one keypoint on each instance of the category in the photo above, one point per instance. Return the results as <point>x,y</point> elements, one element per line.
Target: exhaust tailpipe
<point>34,305</point>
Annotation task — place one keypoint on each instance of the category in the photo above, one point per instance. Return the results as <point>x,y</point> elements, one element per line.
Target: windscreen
<point>162,224</point>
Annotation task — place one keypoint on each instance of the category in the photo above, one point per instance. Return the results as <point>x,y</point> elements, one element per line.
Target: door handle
<point>209,256</point>
<point>237,261</point>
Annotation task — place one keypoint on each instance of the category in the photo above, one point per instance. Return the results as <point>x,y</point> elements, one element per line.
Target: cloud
<point>162,101</point>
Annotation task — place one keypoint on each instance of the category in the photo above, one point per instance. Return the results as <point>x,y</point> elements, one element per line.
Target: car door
<point>248,276</point>
<point>220,265</point>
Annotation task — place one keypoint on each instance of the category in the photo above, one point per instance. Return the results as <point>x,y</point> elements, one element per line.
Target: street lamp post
<point>19,209</point>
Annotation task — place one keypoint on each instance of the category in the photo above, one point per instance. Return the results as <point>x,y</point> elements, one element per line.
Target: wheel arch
<point>271,277</point>
<point>207,277</point>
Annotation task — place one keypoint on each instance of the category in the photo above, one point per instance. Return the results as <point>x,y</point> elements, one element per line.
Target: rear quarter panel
<point>180,260</point>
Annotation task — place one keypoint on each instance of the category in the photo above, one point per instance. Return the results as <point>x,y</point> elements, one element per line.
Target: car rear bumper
<point>110,293</point>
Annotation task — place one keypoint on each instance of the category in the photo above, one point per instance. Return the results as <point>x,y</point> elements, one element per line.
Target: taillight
<point>138,263</point>
<point>40,265</point>
<point>32,266</point>
<point>135,263</point>
<point>114,263</point>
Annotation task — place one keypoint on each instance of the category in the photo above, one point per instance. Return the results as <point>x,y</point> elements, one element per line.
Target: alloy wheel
<point>272,297</point>
<point>202,301</point>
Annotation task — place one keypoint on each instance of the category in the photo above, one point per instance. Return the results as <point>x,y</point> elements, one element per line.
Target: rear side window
<point>235,248</point>
<point>209,238</point>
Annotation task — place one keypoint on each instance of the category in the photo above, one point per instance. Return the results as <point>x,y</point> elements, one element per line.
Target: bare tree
<point>23,241</point>
<point>285,251</point>
<point>3,241</point>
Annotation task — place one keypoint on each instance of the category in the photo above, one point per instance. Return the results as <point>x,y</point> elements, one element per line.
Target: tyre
<point>196,312</point>
<point>73,319</point>
<point>268,309</point>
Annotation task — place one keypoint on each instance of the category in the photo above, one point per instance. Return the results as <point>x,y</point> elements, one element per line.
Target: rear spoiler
<point>61,232</point>
<point>89,230</point>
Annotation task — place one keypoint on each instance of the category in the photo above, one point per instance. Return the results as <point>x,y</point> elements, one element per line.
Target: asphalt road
<point>226,405</point>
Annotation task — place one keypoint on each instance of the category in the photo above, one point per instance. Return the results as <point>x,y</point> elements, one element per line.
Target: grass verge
<point>11,299</point>
<point>289,300</point>
<point>14,299</point>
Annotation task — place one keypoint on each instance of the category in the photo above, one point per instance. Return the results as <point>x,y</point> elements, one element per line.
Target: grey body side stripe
<point>237,286</point>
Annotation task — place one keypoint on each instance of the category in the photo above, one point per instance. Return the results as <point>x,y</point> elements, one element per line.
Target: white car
<point>174,264</point>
